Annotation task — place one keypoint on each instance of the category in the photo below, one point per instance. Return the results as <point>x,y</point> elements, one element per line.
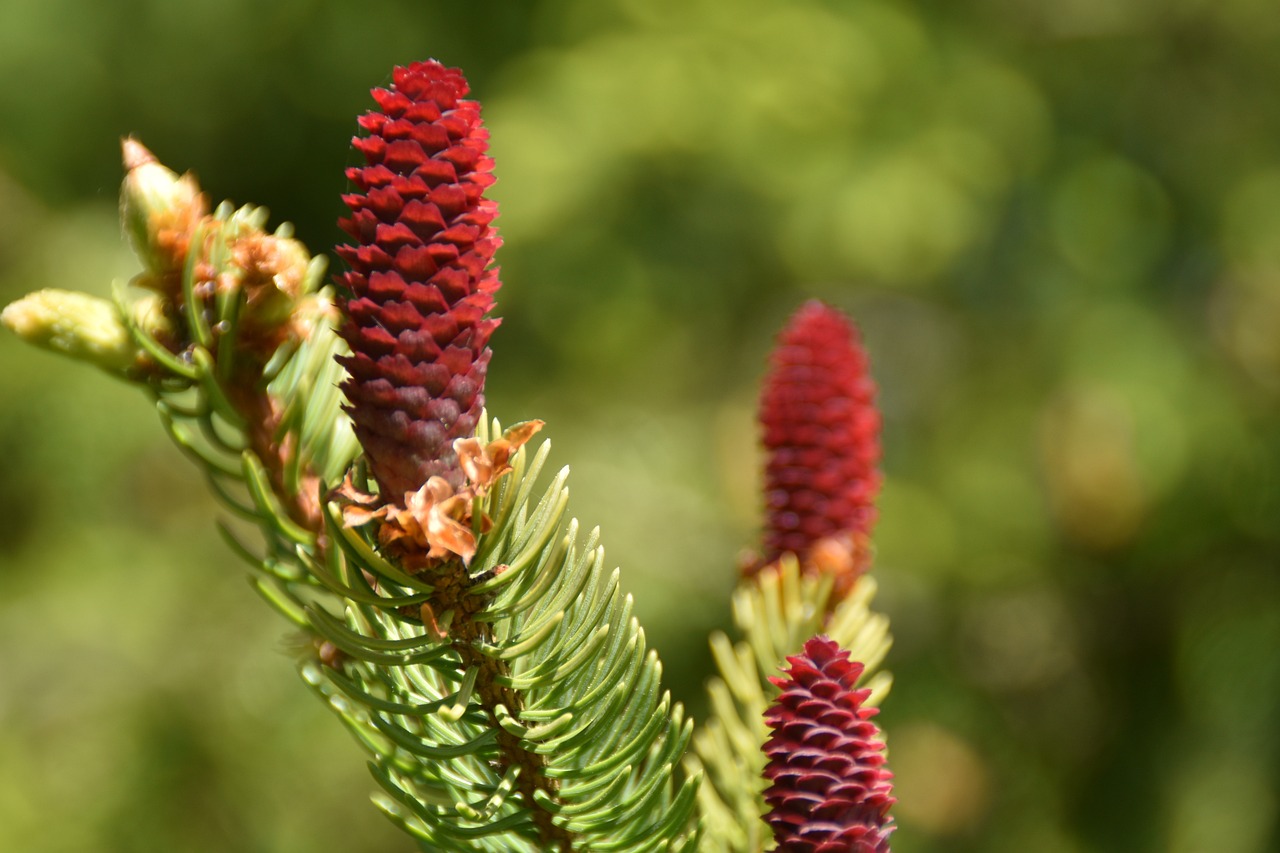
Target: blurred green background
<point>1058,225</point>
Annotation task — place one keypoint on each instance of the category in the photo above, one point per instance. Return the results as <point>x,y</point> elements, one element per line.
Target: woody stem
<point>452,585</point>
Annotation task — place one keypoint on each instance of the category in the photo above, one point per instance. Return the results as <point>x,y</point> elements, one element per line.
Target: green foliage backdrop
<point>1056,223</point>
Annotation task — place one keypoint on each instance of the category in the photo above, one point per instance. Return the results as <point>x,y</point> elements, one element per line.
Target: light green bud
<point>83,327</point>
<point>159,209</point>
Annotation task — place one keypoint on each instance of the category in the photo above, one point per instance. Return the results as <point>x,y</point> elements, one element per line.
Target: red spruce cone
<point>420,284</point>
<point>830,790</point>
<point>822,437</point>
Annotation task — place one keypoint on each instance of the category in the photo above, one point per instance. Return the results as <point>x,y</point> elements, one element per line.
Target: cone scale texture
<point>420,284</point>
<point>829,790</point>
<point>821,437</point>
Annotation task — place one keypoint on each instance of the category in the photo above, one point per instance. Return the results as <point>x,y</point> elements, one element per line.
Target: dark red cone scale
<point>420,284</point>
<point>829,791</point>
<point>821,435</point>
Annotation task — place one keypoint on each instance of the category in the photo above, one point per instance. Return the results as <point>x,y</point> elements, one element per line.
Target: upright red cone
<point>829,791</point>
<point>822,438</point>
<point>420,284</point>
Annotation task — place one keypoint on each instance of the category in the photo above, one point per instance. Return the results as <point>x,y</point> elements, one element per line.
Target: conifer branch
<point>466,633</point>
<point>821,433</point>
<point>505,587</point>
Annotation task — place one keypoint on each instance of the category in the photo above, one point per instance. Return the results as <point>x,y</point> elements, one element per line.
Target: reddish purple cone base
<point>420,283</point>
<point>830,790</point>
<point>821,434</point>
